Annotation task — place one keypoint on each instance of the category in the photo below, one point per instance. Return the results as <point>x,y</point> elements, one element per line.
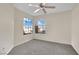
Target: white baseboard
<point>55,41</point>
<point>9,50</point>
<point>75,49</point>
<point>22,43</point>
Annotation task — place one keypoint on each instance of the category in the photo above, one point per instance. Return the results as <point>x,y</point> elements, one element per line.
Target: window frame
<point>43,27</point>
<point>24,33</point>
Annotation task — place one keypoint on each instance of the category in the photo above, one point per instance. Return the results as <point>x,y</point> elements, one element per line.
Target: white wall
<point>75,28</point>
<point>6,28</point>
<point>11,30</point>
<point>58,27</point>
<point>19,38</point>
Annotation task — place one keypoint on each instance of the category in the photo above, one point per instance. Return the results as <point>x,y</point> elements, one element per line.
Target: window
<point>27,26</point>
<point>40,26</point>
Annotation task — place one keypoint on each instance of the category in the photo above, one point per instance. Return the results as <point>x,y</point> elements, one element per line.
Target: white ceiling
<point>60,7</point>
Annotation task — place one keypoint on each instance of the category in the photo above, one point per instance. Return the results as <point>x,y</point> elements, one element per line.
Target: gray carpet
<point>39,47</point>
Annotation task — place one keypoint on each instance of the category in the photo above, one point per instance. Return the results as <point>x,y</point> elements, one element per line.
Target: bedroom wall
<point>58,27</point>
<point>11,31</point>
<point>19,38</point>
<point>6,28</point>
<point>75,28</point>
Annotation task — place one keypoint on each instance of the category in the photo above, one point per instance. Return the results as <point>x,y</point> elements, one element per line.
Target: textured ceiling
<point>60,7</point>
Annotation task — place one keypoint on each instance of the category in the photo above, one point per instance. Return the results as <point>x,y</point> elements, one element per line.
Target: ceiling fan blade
<point>33,5</point>
<point>49,6</point>
<point>44,10</point>
<point>37,10</point>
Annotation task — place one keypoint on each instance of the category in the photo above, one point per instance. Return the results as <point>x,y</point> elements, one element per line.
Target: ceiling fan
<point>42,7</point>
